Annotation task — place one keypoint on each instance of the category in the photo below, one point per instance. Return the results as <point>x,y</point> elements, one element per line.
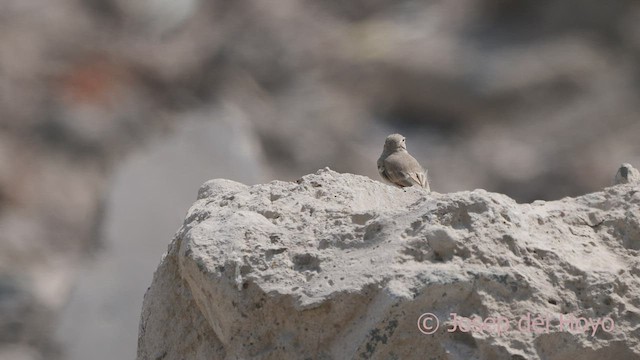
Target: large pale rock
<point>338,266</point>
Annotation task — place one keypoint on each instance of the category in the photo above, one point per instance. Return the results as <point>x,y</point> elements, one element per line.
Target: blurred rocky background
<point>108,106</point>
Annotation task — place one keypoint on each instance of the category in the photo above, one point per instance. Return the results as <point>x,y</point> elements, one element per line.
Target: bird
<point>398,167</point>
<point>626,174</point>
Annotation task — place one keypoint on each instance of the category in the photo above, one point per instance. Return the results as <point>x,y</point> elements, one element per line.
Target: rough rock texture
<point>338,266</point>
<point>626,174</point>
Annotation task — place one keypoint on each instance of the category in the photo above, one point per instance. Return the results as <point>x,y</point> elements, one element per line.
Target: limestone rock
<point>338,266</point>
<point>626,174</point>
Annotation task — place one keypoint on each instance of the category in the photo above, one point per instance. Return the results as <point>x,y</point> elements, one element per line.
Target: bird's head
<point>395,142</point>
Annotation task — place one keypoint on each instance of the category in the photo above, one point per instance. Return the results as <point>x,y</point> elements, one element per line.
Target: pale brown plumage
<point>398,167</point>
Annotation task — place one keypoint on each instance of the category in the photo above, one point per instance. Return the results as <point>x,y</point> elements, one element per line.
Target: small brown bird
<point>398,167</point>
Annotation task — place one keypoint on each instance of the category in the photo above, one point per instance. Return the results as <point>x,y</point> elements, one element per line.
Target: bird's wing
<point>380,165</point>
<point>382,171</point>
<point>385,176</point>
<point>404,170</point>
<point>395,172</point>
<point>419,178</point>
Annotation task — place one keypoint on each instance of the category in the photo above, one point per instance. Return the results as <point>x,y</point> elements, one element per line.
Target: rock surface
<point>626,174</point>
<point>338,266</point>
